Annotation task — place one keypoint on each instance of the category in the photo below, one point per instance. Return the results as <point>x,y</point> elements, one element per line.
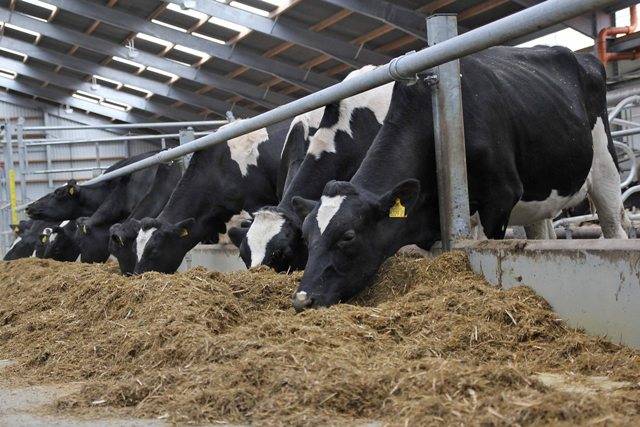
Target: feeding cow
<point>345,132</point>
<point>122,236</point>
<point>537,138</point>
<point>71,201</point>
<point>27,242</point>
<point>60,242</point>
<point>220,182</point>
<point>93,232</point>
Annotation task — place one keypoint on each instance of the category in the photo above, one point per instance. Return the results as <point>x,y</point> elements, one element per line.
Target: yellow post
<point>12,196</point>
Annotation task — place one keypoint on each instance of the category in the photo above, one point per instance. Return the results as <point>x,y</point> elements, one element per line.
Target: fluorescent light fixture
<point>194,52</point>
<point>8,74</point>
<point>209,38</point>
<point>104,79</point>
<point>226,24</point>
<point>22,30</point>
<point>42,4</point>
<point>248,8</point>
<point>173,27</point>
<point>146,93</point>
<point>115,105</point>
<point>129,62</point>
<point>568,37</point>
<point>85,96</point>
<point>152,39</point>
<point>172,76</point>
<point>189,12</point>
<point>15,52</point>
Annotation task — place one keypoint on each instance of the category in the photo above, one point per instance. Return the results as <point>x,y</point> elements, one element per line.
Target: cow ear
<point>399,202</point>
<point>184,227</point>
<point>237,235</point>
<point>302,206</point>
<point>16,229</point>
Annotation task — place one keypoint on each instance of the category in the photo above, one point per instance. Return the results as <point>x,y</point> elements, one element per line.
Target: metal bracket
<point>431,79</point>
<point>397,76</point>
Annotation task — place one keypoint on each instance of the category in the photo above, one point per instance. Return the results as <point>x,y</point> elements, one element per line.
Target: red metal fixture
<point>612,31</point>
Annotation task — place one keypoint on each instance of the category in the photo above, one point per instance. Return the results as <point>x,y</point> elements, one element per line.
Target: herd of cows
<point>338,190</point>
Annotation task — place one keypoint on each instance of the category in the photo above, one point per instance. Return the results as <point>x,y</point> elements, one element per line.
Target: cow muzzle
<point>301,301</point>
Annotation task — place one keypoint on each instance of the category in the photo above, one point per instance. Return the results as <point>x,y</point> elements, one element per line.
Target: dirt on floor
<point>431,342</point>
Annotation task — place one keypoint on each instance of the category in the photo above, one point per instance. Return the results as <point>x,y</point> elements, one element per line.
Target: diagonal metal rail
<point>529,20</point>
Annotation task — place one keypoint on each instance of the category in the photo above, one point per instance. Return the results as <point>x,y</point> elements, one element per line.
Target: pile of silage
<point>431,342</point>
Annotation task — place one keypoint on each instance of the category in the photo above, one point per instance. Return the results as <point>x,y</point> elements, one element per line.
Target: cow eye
<point>348,236</point>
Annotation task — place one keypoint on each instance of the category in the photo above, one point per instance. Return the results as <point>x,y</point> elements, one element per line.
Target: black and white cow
<point>27,243</point>
<point>72,201</point>
<point>60,242</point>
<point>220,182</point>
<point>345,131</point>
<point>93,232</point>
<point>122,236</point>
<point>537,139</point>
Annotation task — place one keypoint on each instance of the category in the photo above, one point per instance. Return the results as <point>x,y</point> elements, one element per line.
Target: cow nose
<point>301,301</point>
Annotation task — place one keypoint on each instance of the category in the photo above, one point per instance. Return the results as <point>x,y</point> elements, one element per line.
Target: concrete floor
<point>31,407</point>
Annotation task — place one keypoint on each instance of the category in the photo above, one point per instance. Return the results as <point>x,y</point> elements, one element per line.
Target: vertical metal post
<point>163,144</point>
<point>186,136</point>
<point>10,172</point>
<point>449,137</point>
<point>47,150</point>
<point>22,156</point>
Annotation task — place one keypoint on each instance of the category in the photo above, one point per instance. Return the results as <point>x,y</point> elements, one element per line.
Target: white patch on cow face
<point>244,149</point>
<point>235,221</point>
<point>265,226</point>
<point>329,206</point>
<point>64,223</point>
<point>377,100</point>
<point>15,242</point>
<point>142,239</point>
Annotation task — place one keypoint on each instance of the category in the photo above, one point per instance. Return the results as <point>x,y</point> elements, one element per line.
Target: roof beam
<point>158,88</point>
<point>74,84</point>
<point>582,24</point>
<point>308,80</point>
<point>404,19</point>
<point>64,98</point>
<point>254,93</point>
<point>57,111</point>
<point>288,30</point>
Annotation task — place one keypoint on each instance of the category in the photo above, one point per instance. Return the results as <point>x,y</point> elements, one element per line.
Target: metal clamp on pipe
<point>397,76</point>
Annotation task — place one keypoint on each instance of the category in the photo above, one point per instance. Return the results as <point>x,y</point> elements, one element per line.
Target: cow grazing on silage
<point>27,243</point>
<point>60,243</point>
<point>537,138</point>
<point>220,182</point>
<point>345,132</point>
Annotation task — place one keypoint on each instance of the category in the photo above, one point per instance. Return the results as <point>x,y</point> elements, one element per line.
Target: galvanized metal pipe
<point>625,123</point>
<point>540,16</point>
<point>70,170</point>
<point>635,99</point>
<point>626,132</point>
<point>47,142</point>
<point>129,125</point>
<point>632,160</point>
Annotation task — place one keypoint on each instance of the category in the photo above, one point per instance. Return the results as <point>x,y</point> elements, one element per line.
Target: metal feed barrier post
<point>448,128</point>
<point>22,156</point>
<point>540,16</point>
<point>10,173</point>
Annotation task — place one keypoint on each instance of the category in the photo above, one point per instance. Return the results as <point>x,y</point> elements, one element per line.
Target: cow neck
<point>92,196</point>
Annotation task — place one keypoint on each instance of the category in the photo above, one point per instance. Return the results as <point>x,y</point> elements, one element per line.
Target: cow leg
<point>603,186</point>
<point>541,230</point>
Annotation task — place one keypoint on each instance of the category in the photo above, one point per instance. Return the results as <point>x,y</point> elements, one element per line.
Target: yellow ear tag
<point>72,190</point>
<point>84,229</point>
<point>184,232</point>
<point>44,239</point>
<point>16,230</point>
<point>397,210</point>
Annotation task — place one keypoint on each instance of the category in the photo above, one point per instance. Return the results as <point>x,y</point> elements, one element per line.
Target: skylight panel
<point>23,30</point>
<point>146,93</point>
<point>209,38</point>
<point>15,52</point>
<point>189,12</point>
<point>204,56</point>
<point>173,27</point>
<point>226,24</point>
<point>105,79</point>
<point>8,74</point>
<point>129,62</point>
<point>42,4</point>
<point>121,106</point>
<point>153,39</point>
<point>172,76</point>
<point>248,8</point>
<point>86,96</point>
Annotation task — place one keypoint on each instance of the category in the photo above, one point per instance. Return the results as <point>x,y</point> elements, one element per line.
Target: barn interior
<point>85,84</point>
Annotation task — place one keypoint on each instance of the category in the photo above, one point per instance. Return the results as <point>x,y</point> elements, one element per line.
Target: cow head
<point>274,238</point>
<point>349,233</point>
<point>161,245</point>
<point>60,242</point>
<point>23,244</point>
<point>58,205</point>
<point>93,240</point>
<point>122,244</point>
